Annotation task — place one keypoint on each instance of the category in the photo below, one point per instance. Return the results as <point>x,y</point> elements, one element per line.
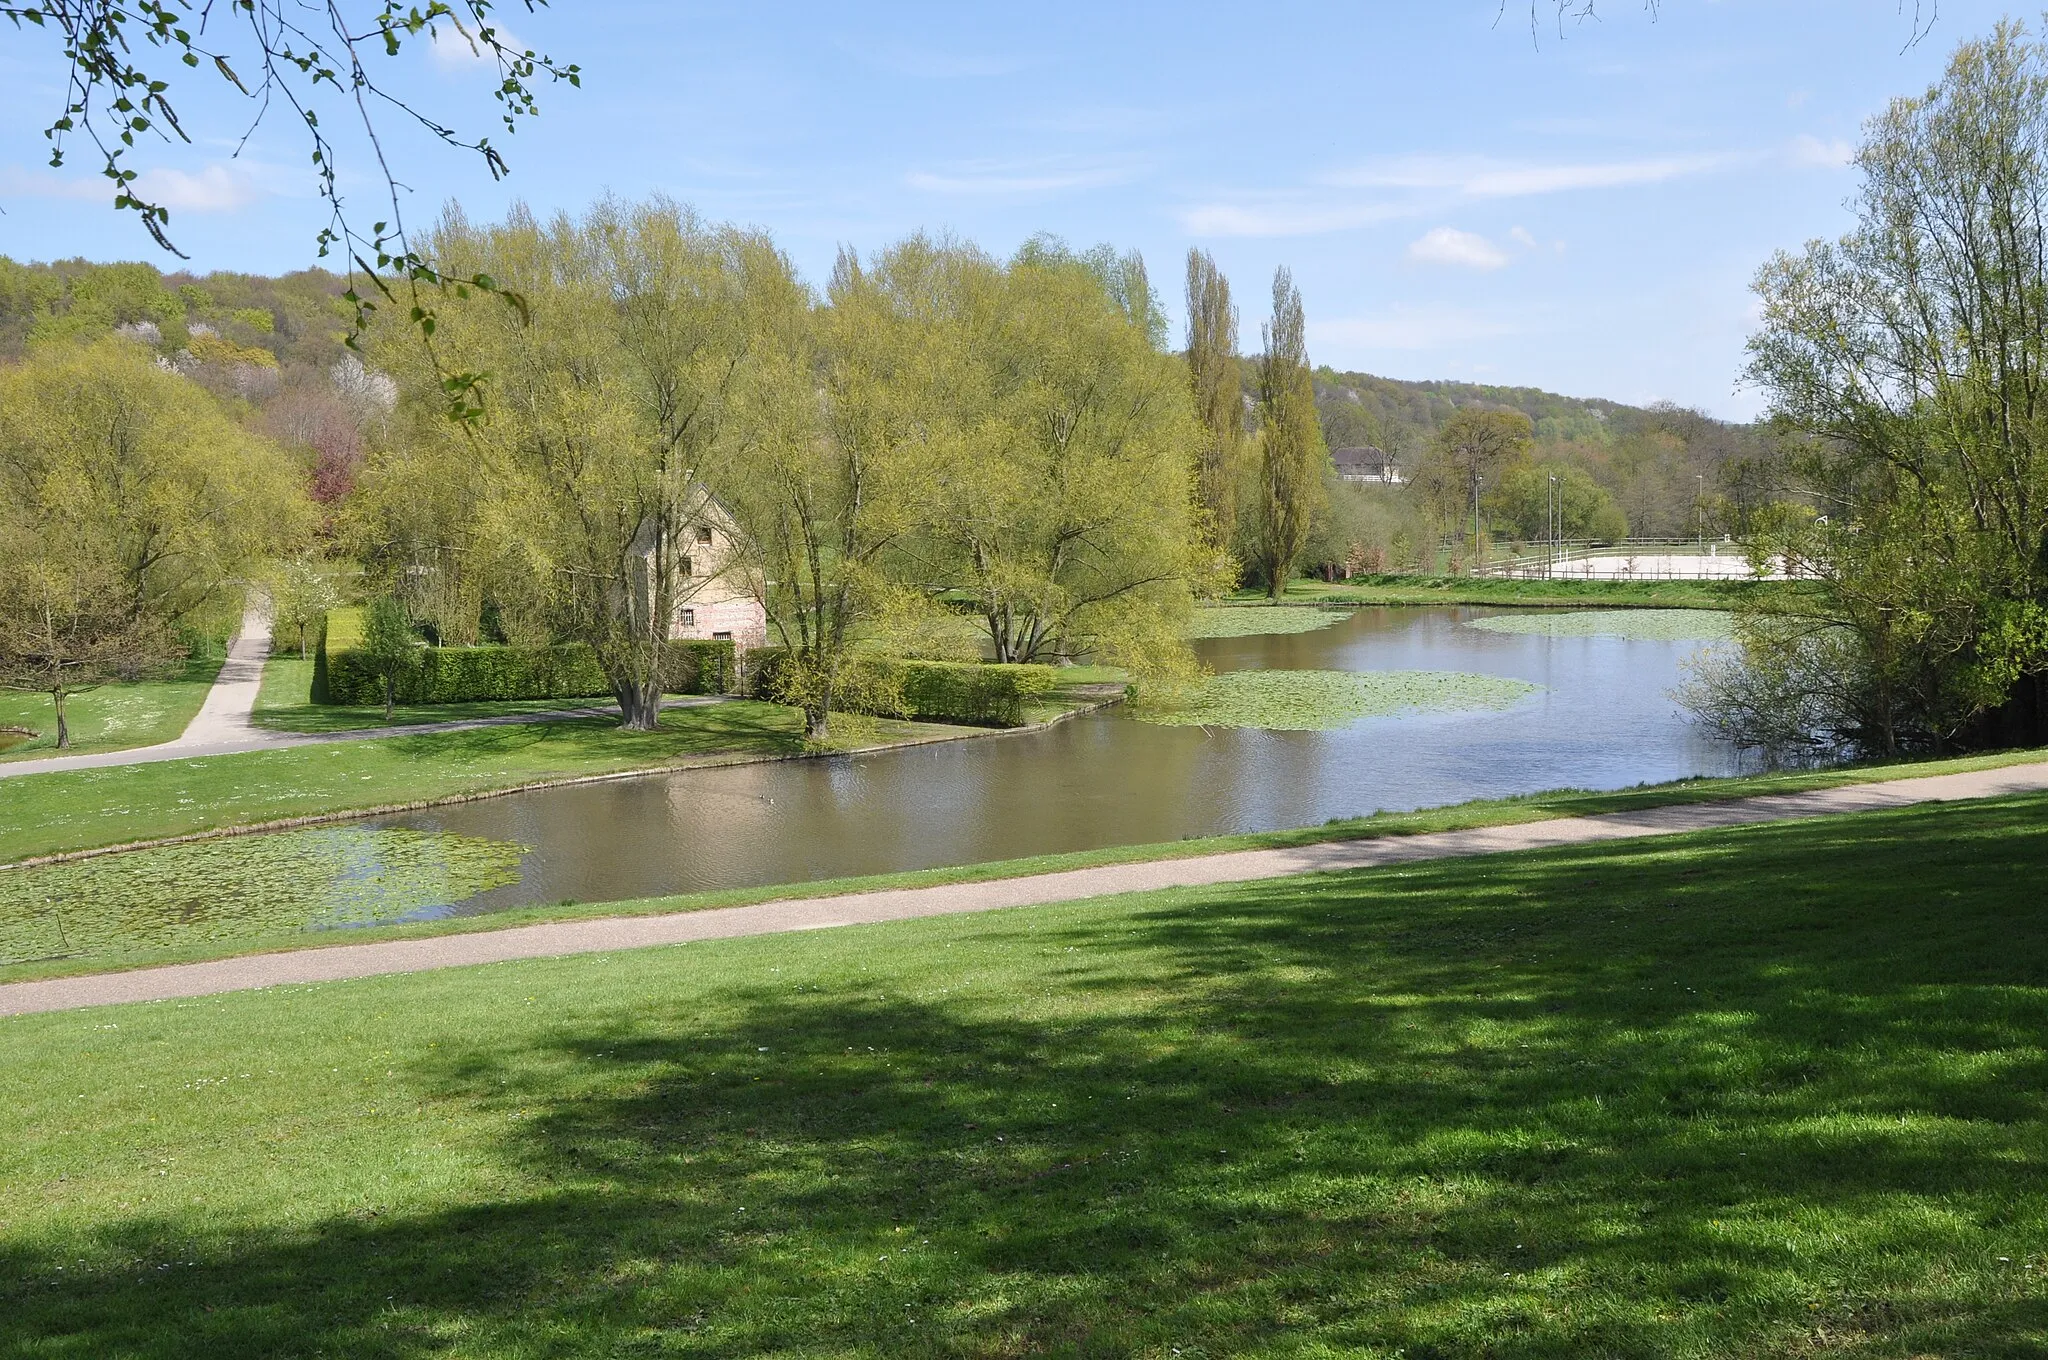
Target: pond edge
<point>1088,705</point>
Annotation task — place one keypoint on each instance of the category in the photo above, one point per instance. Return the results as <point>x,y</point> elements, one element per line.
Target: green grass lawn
<point>77,809</point>
<point>113,717</point>
<point>285,704</point>
<point>1761,1092</point>
<point>1503,591</point>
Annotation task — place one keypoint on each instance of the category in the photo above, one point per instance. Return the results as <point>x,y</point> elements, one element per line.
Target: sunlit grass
<point>112,717</point>
<point>1773,1091</point>
<point>285,704</point>
<point>79,809</point>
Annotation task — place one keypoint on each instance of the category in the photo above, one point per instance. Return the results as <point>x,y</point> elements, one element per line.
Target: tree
<point>1292,457</point>
<point>123,63</point>
<point>574,504</point>
<point>1218,390</point>
<point>1060,505</point>
<point>66,625</point>
<point>1529,493</point>
<point>1910,362</point>
<point>389,649</point>
<point>1473,448</point>
<point>836,446</point>
<point>301,590</point>
<point>131,479</point>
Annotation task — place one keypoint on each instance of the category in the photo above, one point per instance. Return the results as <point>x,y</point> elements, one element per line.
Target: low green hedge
<point>975,693</point>
<point>458,675</point>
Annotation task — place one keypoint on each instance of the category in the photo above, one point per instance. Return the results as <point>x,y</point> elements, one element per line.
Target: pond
<point>1517,702</point>
<point>1602,718</point>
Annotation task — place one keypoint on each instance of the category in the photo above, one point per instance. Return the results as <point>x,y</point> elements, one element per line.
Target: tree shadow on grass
<point>1780,1093</point>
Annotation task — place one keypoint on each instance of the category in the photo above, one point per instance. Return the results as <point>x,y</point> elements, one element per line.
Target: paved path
<point>224,724</point>
<point>338,962</point>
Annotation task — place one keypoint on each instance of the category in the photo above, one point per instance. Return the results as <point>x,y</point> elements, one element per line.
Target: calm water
<point>1604,720</point>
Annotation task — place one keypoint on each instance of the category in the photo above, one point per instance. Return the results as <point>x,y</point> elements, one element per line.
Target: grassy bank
<point>1500,812</point>
<point>1424,590</point>
<point>1768,1091</point>
<point>77,809</point>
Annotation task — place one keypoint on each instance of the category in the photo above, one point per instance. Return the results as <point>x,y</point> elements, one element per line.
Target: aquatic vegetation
<point>1636,625</point>
<point>241,889</point>
<point>1228,621</point>
<point>1304,701</point>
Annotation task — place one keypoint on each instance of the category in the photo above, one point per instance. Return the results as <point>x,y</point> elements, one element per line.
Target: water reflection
<point>1605,719</point>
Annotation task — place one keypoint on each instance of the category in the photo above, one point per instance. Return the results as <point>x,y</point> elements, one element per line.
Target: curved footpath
<point>339,962</point>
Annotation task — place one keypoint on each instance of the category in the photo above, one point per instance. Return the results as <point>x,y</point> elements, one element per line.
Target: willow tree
<point>1292,458</point>
<point>1059,505</point>
<point>131,507</point>
<point>1219,395</point>
<point>1911,357</point>
<point>572,501</point>
<point>835,443</point>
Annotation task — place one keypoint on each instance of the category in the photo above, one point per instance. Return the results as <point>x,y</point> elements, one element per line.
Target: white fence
<point>1636,560</point>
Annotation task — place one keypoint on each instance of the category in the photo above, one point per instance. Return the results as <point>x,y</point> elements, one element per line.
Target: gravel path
<point>338,962</point>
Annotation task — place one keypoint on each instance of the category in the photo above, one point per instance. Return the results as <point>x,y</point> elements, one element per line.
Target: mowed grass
<point>112,717</point>
<point>285,704</point>
<point>79,809</point>
<point>1425,590</point>
<point>1453,817</point>
<point>1762,1092</point>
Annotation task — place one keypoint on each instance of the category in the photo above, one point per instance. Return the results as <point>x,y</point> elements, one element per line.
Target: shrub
<point>456,675</point>
<point>976,693</point>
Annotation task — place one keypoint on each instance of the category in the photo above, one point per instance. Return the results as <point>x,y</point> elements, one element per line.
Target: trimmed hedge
<point>976,693</point>
<point>457,675</point>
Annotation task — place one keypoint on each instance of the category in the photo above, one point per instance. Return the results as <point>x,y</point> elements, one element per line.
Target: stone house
<point>715,591</point>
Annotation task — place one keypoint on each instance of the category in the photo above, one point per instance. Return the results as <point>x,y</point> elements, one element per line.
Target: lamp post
<point>1553,507</point>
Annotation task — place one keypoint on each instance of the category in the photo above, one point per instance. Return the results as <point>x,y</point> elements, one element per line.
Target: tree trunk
<point>817,722</point>
<point>640,705</point>
<point>63,730</point>
<point>388,696</point>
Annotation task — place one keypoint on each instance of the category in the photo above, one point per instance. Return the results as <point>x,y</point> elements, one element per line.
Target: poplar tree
<point>1291,452</point>
<point>1213,374</point>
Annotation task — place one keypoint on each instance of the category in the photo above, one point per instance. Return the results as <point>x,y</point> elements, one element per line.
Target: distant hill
<point>1661,463</point>
<point>1361,408</point>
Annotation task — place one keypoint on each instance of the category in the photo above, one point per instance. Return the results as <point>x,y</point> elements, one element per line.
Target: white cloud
<point>1014,178</point>
<point>1464,249</point>
<point>1481,177</point>
<point>1810,152</point>
<point>216,188</point>
<point>452,50</point>
<point>1290,217</point>
<point>1521,237</point>
<point>1408,328</point>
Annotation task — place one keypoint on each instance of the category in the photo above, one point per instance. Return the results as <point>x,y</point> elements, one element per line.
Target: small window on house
<point>704,534</point>
<point>689,618</point>
<point>721,637</point>
<point>686,570</point>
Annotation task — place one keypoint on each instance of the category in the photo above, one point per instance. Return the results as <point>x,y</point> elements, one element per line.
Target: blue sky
<point>1582,214</point>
